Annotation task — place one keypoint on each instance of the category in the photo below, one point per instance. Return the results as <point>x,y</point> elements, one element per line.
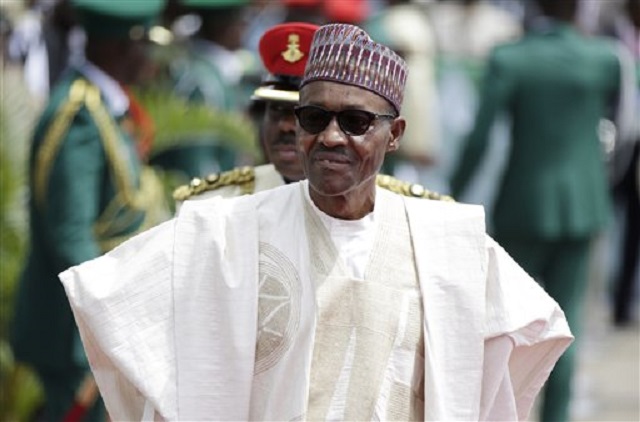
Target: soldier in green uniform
<point>284,50</point>
<point>210,70</point>
<point>88,188</point>
<point>207,68</point>
<point>555,85</point>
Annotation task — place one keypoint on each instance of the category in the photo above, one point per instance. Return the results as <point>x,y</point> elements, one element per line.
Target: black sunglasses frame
<point>340,115</point>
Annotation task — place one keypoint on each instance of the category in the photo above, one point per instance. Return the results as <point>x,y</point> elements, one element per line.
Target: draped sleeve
<point>525,334</point>
<point>174,306</point>
<point>123,306</point>
<point>492,334</point>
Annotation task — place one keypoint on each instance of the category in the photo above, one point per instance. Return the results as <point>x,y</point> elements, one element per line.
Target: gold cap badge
<point>293,54</point>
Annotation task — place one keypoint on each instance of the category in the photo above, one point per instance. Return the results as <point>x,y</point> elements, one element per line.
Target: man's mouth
<point>286,151</point>
<point>331,157</point>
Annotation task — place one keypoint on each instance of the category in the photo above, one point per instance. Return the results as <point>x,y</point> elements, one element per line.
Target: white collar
<point>337,223</point>
<point>113,94</point>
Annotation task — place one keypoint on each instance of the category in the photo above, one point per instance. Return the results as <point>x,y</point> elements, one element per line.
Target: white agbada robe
<point>169,319</point>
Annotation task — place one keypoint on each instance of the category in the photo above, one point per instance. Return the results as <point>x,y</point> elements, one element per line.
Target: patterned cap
<point>346,54</point>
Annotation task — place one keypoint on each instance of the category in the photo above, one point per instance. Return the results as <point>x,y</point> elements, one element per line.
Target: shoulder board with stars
<point>244,177</point>
<point>409,189</point>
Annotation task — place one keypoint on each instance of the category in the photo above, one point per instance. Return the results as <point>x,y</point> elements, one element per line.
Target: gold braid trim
<point>82,93</point>
<point>243,176</point>
<point>409,189</point>
<point>53,139</point>
<point>111,141</point>
<point>156,212</point>
<point>126,196</point>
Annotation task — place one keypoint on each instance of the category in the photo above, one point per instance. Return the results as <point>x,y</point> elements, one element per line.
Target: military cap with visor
<point>284,50</point>
<point>113,19</point>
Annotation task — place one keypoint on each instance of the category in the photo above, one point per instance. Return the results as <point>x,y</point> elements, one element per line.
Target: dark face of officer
<point>342,154</point>
<point>140,68</point>
<point>278,137</point>
<point>124,59</point>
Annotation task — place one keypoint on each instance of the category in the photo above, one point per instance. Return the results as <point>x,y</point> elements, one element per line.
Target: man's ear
<point>398,126</point>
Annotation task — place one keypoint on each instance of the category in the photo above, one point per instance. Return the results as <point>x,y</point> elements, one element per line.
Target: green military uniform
<point>89,192</point>
<point>555,86</point>
<point>199,78</point>
<point>204,72</point>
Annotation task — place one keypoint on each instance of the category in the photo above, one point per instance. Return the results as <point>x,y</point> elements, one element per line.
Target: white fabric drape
<point>170,317</point>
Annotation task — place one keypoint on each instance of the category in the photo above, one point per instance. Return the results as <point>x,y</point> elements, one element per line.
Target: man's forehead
<point>340,95</point>
<point>281,104</point>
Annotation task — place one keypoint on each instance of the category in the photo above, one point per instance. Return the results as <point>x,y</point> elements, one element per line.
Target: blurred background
<point>195,105</point>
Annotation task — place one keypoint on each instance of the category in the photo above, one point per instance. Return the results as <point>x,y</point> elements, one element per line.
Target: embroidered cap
<point>284,50</point>
<point>346,54</point>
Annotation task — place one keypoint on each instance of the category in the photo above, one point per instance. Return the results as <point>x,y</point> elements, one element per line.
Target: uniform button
<point>416,190</point>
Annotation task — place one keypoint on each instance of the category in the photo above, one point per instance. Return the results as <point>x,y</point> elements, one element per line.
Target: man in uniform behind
<point>88,192</point>
<point>552,201</point>
<point>284,50</point>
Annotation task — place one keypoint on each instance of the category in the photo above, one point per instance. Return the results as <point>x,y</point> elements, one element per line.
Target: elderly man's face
<point>336,162</point>
<point>279,139</point>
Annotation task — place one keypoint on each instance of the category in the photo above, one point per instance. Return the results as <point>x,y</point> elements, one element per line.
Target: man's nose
<point>332,135</point>
<point>287,122</point>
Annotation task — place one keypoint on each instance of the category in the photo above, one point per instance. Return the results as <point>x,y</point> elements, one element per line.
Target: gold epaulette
<point>244,177</point>
<point>409,189</point>
<point>54,136</point>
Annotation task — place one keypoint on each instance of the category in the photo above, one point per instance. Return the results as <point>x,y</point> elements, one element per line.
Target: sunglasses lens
<point>352,122</point>
<point>355,122</point>
<point>313,119</point>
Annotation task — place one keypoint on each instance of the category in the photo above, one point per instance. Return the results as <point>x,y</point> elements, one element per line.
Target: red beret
<point>284,48</point>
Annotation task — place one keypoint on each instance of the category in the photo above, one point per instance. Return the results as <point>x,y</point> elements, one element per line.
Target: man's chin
<point>326,188</point>
<point>290,178</point>
<point>289,171</point>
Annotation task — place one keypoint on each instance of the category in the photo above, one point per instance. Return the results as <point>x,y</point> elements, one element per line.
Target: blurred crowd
<point>209,55</point>
<point>190,114</point>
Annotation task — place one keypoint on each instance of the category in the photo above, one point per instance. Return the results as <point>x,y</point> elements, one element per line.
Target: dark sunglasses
<point>314,119</point>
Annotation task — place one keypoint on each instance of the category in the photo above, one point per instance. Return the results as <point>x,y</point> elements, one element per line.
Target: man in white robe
<point>307,302</point>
